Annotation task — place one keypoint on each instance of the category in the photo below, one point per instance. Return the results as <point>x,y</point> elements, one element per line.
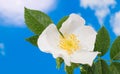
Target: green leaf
<point>36,21</point>
<point>100,67</point>
<point>102,41</point>
<point>115,68</point>
<point>33,40</point>
<point>86,69</point>
<point>115,49</point>
<point>62,21</point>
<point>70,69</point>
<point>59,61</point>
<point>84,72</point>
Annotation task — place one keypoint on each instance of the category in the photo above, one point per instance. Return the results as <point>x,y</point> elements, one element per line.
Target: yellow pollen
<point>70,43</point>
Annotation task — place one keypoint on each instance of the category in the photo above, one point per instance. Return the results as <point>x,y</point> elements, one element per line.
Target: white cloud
<point>1,46</point>
<point>101,7</point>
<point>2,52</point>
<point>115,23</point>
<point>12,11</point>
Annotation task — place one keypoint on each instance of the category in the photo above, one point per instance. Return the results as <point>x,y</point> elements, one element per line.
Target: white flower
<point>76,45</point>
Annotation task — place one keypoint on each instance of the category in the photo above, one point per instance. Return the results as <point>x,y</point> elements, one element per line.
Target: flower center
<point>70,43</point>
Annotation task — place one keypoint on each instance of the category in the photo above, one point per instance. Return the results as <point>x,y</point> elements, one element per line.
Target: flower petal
<point>48,40</point>
<point>86,36</point>
<point>64,55</point>
<point>83,57</point>
<point>72,23</point>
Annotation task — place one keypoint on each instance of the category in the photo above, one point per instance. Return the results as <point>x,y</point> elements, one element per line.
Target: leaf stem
<point>61,34</point>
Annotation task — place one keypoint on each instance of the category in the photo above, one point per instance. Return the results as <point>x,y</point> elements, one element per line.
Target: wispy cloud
<point>2,52</point>
<point>1,46</point>
<point>12,11</point>
<point>101,7</point>
<point>115,23</point>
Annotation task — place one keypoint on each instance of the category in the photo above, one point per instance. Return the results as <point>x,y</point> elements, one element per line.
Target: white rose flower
<point>76,45</point>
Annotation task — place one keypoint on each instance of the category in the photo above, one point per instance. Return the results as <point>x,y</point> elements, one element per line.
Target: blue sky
<point>19,57</point>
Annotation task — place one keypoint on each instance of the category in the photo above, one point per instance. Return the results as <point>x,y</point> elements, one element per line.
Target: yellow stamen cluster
<point>70,43</point>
